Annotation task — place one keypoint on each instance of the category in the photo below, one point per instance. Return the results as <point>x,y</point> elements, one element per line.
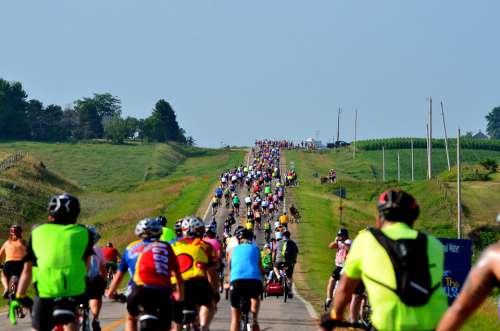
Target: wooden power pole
<point>445,138</point>
<point>412,162</point>
<point>430,138</point>
<point>338,124</point>
<point>383,164</point>
<point>459,189</point>
<point>355,133</point>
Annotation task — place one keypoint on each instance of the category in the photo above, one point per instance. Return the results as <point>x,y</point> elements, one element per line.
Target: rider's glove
<point>24,301</point>
<point>328,320</point>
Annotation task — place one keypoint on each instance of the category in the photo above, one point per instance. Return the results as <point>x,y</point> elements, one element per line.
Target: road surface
<point>274,313</point>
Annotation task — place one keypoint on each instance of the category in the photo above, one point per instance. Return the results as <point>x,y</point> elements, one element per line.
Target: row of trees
<point>88,118</point>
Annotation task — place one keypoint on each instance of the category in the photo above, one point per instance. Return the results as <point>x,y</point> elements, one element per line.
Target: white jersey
<point>248,200</point>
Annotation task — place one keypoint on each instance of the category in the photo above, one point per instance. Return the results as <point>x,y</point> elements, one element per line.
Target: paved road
<point>274,313</point>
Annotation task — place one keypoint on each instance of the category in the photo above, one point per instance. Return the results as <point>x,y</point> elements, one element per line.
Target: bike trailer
<point>274,289</point>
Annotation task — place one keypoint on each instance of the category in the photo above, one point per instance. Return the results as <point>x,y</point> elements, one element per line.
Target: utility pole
<point>399,169</point>
<point>355,133</point>
<point>427,151</point>
<point>383,164</point>
<point>412,162</point>
<point>459,189</point>
<point>445,138</point>
<point>430,137</point>
<point>338,124</point>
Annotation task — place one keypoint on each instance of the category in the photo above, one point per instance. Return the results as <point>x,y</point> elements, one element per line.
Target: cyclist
<point>245,270</point>
<point>342,244</point>
<point>111,256</point>
<point>369,260</point>
<point>60,251</point>
<point>197,261</point>
<point>215,204</point>
<point>482,279</point>
<point>285,256</point>
<point>147,231</point>
<point>167,233</point>
<point>236,204</point>
<point>266,256</point>
<point>14,250</point>
<point>219,192</point>
<point>267,230</point>
<point>96,283</point>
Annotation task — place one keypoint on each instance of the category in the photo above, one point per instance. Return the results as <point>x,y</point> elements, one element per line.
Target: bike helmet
<point>238,229</point>
<point>397,205</point>
<point>192,226</point>
<point>245,234</point>
<point>162,220</point>
<point>95,235</point>
<point>210,229</point>
<point>148,228</point>
<point>108,244</point>
<point>64,206</point>
<point>178,228</point>
<point>15,230</point>
<point>343,232</point>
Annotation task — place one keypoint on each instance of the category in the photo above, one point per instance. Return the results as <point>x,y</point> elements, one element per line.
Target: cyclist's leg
<point>5,284</point>
<point>133,303</point>
<point>204,297</point>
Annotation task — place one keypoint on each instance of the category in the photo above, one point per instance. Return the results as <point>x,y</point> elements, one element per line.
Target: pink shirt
<point>214,243</point>
<point>342,250</point>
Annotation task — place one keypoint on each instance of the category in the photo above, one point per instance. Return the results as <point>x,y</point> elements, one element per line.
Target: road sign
<point>457,264</point>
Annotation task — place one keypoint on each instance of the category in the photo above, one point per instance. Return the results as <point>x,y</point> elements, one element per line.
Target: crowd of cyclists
<point>177,274</point>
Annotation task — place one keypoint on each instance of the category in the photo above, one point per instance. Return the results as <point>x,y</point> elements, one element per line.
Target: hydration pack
<point>410,261</point>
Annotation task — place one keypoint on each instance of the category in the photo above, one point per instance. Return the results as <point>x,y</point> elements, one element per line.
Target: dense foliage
<point>93,117</point>
<point>493,126</point>
<point>404,143</point>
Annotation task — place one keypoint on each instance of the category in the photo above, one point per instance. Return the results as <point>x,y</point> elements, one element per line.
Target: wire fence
<point>12,160</point>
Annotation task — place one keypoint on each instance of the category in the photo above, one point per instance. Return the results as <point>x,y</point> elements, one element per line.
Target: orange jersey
<point>14,250</point>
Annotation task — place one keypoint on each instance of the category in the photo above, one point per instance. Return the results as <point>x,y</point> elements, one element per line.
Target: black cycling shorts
<point>244,288</point>
<point>153,301</point>
<point>360,289</point>
<point>42,317</point>
<point>197,292</point>
<point>96,287</point>
<point>336,273</point>
<point>13,268</point>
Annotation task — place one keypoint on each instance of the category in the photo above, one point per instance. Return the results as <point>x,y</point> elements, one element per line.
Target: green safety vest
<point>60,267</point>
<point>168,235</point>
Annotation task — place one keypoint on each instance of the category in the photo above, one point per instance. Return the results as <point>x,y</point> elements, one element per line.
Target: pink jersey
<point>214,243</point>
<point>342,250</point>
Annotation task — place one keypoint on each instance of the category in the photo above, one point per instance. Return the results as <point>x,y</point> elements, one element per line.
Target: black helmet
<point>15,230</point>
<point>397,205</point>
<point>64,207</point>
<point>343,232</point>
<point>178,228</point>
<point>245,234</point>
<point>238,229</point>
<point>162,220</point>
<point>109,244</point>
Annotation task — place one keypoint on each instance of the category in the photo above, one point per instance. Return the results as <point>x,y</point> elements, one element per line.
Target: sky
<point>238,70</point>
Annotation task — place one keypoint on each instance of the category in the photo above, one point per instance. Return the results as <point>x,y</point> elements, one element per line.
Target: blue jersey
<point>129,257</point>
<point>245,262</point>
<point>218,192</point>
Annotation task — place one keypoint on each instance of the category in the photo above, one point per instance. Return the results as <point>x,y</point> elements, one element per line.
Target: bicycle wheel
<point>285,289</point>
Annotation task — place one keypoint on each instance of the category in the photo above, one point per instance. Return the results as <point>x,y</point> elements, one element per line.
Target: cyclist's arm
<point>333,245</point>
<point>117,279</point>
<point>344,293</point>
<point>25,280</point>
<point>2,251</point>
<point>479,284</point>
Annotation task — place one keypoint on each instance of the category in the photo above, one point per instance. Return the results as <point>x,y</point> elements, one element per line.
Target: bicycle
<point>333,325</point>
<point>110,273</point>
<point>17,312</point>
<point>245,314</point>
<point>84,317</point>
<point>189,318</point>
<point>284,283</point>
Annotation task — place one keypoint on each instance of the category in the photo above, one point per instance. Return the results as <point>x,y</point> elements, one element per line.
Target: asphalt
<point>274,313</point>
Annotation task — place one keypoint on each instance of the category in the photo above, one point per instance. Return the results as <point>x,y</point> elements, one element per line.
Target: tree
<point>115,129</point>
<point>162,125</point>
<point>107,105</point>
<point>132,125</point>
<point>90,125</point>
<point>70,123</point>
<point>13,117</point>
<point>493,126</point>
<point>190,141</point>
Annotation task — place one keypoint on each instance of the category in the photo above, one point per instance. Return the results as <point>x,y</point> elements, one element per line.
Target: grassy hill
<point>117,184</point>
<point>360,178</point>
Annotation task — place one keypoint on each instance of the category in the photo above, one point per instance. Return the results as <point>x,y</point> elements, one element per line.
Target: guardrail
<point>12,160</point>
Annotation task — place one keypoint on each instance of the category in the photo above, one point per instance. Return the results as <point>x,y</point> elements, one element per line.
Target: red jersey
<point>155,265</point>
<point>110,254</point>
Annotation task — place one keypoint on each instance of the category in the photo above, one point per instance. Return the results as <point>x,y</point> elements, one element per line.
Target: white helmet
<point>148,228</point>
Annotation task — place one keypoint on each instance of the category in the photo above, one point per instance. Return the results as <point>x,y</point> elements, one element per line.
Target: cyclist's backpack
<point>290,251</point>
<point>410,260</point>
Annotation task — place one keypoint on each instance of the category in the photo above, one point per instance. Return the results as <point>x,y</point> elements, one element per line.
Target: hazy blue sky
<point>235,70</point>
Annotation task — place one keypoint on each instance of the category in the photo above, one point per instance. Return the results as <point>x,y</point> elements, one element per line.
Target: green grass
<point>104,166</point>
<point>320,211</point>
